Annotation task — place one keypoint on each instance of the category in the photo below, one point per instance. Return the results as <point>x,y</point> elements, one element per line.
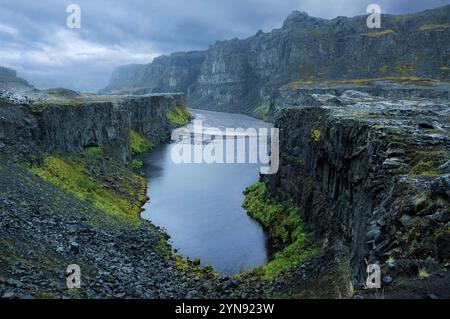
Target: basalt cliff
<point>367,168</point>
<point>243,75</point>
<point>71,192</point>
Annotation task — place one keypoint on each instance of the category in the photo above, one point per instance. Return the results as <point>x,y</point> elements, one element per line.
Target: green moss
<point>263,110</point>
<point>285,226</point>
<point>316,135</point>
<point>71,175</point>
<point>426,163</point>
<point>196,261</point>
<point>163,247</point>
<point>378,34</point>
<point>179,115</point>
<point>429,27</point>
<point>93,152</point>
<point>140,144</point>
<point>424,169</point>
<point>137,164</point>
<point>377,127</point>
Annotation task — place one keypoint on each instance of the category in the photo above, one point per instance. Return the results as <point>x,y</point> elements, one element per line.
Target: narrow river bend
<point>199,205</point>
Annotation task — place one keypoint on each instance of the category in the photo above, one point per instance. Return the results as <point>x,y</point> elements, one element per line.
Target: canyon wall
<point>371,177</point>
<point>69,127</point>
<point>9,79</point>
<point>240,75</point>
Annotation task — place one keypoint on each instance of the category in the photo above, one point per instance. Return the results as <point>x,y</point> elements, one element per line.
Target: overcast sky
<point>35,40</point>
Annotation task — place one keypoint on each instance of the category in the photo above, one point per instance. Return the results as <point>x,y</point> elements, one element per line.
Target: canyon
<point>71,193</point>
<point>245,75</point>
<point>364,174</point>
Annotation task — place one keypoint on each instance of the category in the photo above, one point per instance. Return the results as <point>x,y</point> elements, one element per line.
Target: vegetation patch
<point>263,110</point>
<point>426,163</point>
<point>434,27</point>
<point>178,115</point>
<point>140,144</point>
<point>397,79</point>
<point>137,164</point>
<point>103,184</point>
<point>316,135</point>
<point>378,34</point>
<point>283,222</point>
<point>93,152</point>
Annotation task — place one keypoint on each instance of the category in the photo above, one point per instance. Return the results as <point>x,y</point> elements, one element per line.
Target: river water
<point>199,205</point>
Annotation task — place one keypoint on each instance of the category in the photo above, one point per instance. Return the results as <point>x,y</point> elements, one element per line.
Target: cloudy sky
<point>35,40</point>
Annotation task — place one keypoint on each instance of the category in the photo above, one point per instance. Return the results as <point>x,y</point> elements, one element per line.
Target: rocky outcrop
<point>239,75</point>
<point>10,80</point>
<point>371,177</point>
<point>69,126</point>
<point>148,115</point>
<point>69,129</point>
<point>174,73</point>
<point>344,92</point>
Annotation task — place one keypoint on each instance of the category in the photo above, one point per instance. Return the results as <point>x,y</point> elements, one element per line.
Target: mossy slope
<point>283,222</point>
<point>178,115</point>
<point>102,183</point>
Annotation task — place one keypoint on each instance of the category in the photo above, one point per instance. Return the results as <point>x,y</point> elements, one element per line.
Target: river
<point>199,205</point>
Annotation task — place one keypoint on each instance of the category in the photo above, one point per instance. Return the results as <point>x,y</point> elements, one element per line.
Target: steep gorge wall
<point>70,127</point>
<point>239,75</point>
<point>330,178</point>
<point>148,115</point>
<point>376,182</point>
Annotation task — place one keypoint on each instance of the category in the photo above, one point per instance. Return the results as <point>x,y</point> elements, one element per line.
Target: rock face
<point>148,114</point>
<point>343,92</point>
<point>69,127</point>
<point>239,75</point>
<point>9,80</point>
<point>370,176</point>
